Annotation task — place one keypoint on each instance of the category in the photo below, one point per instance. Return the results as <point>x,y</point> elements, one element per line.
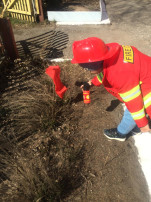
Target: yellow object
<point>22,9</point>
<point>128,54</point>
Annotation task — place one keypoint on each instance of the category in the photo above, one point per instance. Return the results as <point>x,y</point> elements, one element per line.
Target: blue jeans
<point>127,123</point>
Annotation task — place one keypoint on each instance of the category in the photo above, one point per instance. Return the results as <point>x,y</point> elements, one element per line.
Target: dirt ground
<point>113,167</point>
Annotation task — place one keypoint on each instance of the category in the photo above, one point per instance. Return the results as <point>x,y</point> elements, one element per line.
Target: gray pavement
<point>130,12</point>
<point>130,25</point>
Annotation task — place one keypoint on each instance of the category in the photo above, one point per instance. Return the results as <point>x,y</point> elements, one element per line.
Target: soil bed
<point>86,165</point>
<point>75,5</point>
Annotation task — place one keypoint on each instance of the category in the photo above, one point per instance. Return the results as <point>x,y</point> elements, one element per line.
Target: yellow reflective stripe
<point>147,100</point>
<point>138,115</point>
<point>131,94</point>
<point>100,77</point>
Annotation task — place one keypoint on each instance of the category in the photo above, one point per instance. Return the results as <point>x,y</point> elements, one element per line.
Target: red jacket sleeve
<point>97,80</point>
<point>134,102</point>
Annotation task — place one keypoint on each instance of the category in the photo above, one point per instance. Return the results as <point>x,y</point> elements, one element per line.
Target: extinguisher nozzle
<point>86,86</point>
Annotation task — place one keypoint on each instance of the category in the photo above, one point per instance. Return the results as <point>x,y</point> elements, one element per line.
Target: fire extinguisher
<point>86,93</point>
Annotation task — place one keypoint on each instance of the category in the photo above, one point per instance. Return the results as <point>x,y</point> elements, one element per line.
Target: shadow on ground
<point>71,5</point>
<point>49,44</point>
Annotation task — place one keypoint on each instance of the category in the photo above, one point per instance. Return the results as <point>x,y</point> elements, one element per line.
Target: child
<point>125,72</point>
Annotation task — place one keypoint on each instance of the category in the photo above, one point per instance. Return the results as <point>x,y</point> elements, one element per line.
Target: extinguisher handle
<point>86,86</point>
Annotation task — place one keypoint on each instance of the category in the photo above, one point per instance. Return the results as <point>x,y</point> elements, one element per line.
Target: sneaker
<point>113,134</point>
<point>135,131</point>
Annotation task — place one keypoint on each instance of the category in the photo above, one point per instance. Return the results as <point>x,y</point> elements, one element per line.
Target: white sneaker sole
<point>133,133</point>
<point>113,138</point>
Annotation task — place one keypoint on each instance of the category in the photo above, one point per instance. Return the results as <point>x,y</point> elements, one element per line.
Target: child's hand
<point>89,83</point>
<point>82,87</point>
<point>145,129</point>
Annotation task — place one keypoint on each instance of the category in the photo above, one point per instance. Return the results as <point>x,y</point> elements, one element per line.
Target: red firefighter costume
<point>127,76</point>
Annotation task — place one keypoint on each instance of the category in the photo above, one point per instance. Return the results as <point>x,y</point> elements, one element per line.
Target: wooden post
<point>8,39</point>
<point>41,14</point>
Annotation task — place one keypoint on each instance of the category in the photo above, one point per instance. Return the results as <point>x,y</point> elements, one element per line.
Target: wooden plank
<point>37,7</point>
<point>19,6</point>
<point>14,8</point>
<point>4,2</point>
<point>18,11</point>
<point>33,18</point>
<point>13,15</point>
<point>25,12</point>
<point>28,6</point>
<point>27,17</point>
<point>24,5</point>
<point>11,3</point>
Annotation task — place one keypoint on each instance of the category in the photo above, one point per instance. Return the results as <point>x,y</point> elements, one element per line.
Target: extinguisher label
<point>86,96</point>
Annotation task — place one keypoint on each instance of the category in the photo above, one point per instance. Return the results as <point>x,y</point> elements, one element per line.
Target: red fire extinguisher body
<point>86,97</point>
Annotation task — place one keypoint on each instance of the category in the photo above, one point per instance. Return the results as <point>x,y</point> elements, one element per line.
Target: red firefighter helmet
<point>92,49</point>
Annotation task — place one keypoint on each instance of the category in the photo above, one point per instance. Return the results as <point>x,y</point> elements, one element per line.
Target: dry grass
<point>41,158</point>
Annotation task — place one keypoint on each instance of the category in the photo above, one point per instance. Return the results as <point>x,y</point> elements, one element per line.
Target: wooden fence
<point>23,9</point>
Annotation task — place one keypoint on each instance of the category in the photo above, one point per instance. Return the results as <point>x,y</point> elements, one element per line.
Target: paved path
<point>130,26</point>
<point>130,12</point>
